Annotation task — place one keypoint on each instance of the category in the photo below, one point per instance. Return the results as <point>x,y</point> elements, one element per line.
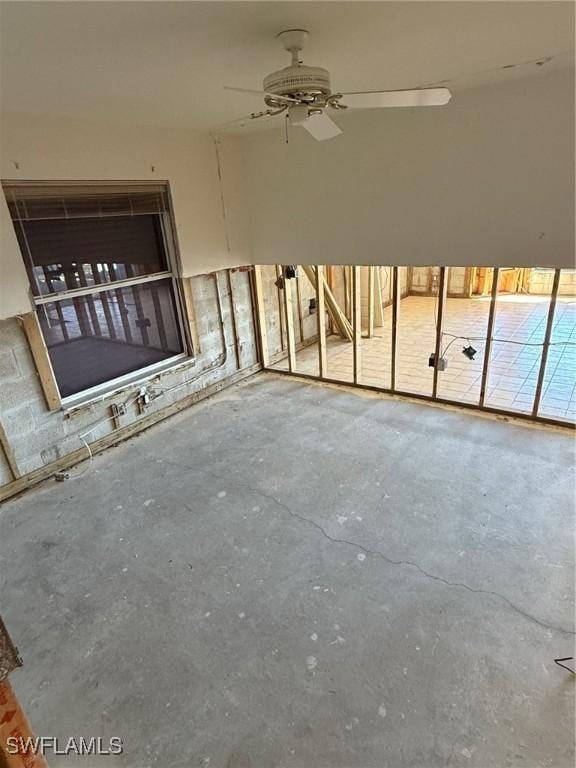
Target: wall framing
<point>355,298</point>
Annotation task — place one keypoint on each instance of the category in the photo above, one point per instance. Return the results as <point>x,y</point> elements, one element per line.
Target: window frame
<point>33,330</point>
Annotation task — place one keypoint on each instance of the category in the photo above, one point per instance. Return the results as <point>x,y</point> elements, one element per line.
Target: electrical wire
<point>82,435</point>
<point>494,340</point>
<point>447,347</point>
<point>564,666</point>
<point>88,466</point>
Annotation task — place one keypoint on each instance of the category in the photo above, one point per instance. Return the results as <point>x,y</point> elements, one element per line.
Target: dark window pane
<point>93,339</point>
<point>64,254</point>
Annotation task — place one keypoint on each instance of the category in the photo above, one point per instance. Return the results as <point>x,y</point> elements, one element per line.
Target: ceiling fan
<point>304,93</point>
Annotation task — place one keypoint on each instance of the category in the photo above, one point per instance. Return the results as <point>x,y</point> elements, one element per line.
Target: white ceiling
<point>164,63</point>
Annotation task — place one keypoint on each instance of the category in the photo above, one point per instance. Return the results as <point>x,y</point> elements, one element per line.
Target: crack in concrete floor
<point>410,563</point>
<point>389,560</point>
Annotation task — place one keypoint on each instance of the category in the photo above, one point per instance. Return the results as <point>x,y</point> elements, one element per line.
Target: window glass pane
<point>95,338</point>
<point>65,254</point>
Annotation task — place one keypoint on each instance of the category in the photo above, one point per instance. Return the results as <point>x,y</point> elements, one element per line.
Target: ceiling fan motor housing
<point>300,81</point>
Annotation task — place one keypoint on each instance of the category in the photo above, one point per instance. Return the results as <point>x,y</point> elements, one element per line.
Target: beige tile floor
<point>514,366</point>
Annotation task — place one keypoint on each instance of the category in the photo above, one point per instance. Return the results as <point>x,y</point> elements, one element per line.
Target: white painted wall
<point>486,180</point>
<point>57,148</point>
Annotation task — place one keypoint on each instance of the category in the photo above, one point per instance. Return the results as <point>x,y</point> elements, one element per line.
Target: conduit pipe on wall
<point>233,316</point>
<point>223,355</point>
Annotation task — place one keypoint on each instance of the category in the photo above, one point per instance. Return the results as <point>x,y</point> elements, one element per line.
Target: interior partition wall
<point>497,340</point>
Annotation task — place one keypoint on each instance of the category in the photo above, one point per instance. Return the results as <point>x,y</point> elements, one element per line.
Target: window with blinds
<point>99,260</point>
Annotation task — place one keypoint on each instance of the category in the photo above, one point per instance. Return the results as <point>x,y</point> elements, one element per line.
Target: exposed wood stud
<point>489,333</point>
<point>346,290</point>
<point>378,298</point>
<point>430,281</point>
<point>371,301</point>
<point>299,308</point>
<point>547,337</point>
<point>395,319</point>
<point>31,328</point>
<point>190,315</point>
<point>115,415</point>
<point>249,271</point>
<point>233,317</point>
<point>469,274</point>
<point>261,317</point>
<point>289,317</point>
<point>341,322</point>
<point>330,281</point>
<point>357,320</point>
<point>9,453</point>
<point>321,320</point>
<point>280,306</point>
<point>442,290</point>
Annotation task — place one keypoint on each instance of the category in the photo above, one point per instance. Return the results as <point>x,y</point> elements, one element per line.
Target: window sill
<point>111,389</point>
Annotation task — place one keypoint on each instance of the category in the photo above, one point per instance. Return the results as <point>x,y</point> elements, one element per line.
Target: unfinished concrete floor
<point>303,576</point>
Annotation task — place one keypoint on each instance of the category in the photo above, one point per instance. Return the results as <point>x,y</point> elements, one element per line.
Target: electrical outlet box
<point>442,363</point>
<point>290,271</point>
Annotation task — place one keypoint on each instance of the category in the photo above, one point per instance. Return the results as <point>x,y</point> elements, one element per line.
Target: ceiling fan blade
<point>261,93</point>
<point>321,127</point>
<point>419,97</point>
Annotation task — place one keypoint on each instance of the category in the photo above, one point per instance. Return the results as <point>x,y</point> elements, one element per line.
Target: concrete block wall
<point>38,436</point>
<point>386,279</point>
<point>304,321</point>
<point>540,282</point>
<point>421,280</point>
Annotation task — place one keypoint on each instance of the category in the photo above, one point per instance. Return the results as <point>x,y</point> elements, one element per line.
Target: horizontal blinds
<point>131,240</point>
<point>29,202</point>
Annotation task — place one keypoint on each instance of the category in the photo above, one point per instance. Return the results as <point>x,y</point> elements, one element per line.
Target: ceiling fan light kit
<point>305,92</point>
